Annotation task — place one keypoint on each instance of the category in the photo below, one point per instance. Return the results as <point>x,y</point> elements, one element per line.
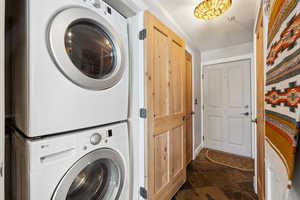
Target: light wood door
<point>260,73</point>
<point>165,89</point>
<point>189,107</point>
<point>2,95</point>
<point>227,107</point>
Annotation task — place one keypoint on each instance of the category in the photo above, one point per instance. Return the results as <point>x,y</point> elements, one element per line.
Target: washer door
<point>86,48</point>
<point>99,175</point>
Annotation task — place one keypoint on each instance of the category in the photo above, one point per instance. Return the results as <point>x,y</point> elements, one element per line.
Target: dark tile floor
<point>209,181</point>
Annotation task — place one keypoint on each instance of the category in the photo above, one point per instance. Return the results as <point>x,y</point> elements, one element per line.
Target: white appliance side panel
<point>56,104</point>
<point>137,124</point>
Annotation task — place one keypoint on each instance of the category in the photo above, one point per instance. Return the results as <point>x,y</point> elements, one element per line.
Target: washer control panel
<point>95,139</point>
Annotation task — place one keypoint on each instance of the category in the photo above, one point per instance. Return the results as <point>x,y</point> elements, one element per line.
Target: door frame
<point>259,11</point>
<point>188,51</point>
<point>253,93</point>
<point>2,98</point>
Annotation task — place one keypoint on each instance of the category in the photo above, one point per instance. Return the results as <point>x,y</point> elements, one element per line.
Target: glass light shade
<point>209,9</point>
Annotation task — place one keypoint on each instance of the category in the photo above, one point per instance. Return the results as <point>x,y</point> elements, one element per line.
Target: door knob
<point>254,120</point>
<point>246,113</point>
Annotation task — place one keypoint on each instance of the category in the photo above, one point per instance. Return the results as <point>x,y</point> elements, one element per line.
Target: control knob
<point>95,139</point>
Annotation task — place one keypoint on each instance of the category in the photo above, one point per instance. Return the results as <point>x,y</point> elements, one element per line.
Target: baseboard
<point>197,151</point>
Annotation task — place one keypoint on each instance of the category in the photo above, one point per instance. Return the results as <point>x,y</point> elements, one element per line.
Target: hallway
<point>209,181</point>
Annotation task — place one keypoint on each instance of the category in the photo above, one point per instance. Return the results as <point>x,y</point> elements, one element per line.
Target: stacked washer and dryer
<point>71,88</point>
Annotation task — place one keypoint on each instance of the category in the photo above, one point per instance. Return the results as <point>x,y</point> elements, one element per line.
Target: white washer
<point>71,66</point>
<point>90,164</point>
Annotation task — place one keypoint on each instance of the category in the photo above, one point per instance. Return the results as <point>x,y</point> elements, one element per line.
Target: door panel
<point>177,140</point>
<point>214,126</point>
<point>213,118</point>
<point>214,87</point>
<point>236,91</point>
<point>162,175</point>
<point>189,108</point>
<point>165,100</point>
<point>235,126</point>
<point>176,79</point>
<point>161,74</point>
<point>260,127</point>
<point>227,107</point>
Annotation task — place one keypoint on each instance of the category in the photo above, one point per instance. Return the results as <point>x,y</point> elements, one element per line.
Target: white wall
<point>231,51</point>
<point>197,119</point>
<point>136,124</point>
<point>294,193</point>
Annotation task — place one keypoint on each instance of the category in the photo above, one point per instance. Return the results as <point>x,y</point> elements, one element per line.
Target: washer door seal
<point>86,48</point>
<point>97,175</point>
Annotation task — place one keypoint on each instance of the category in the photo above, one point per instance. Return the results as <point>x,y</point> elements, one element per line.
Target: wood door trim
<point>149,155</point>
<point>188,56</point>
<point>189,107</point>
<point>260,149</point>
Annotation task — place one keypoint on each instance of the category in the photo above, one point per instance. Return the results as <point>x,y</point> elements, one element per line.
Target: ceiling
<point>216,33</point>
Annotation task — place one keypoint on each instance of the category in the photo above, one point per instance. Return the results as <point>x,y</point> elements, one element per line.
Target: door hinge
<point>1,170</point>
<point>202,107</point>
<point>196,102</point>
<point>143,34</point>
<point>143,193</point>
<point>202,76</point>
<point>202,138</point>
<point>143,113</point>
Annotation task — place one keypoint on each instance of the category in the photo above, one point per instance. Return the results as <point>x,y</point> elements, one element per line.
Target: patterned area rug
<point>210,181</point>
<point>229,160</point>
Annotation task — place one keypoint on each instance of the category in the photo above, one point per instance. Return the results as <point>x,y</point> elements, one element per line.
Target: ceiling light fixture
<point>209,9</point>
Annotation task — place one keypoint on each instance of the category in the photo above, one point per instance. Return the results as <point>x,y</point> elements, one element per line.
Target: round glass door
<point>86,48</point>
<point>97,176</point>
<point>90,49</point>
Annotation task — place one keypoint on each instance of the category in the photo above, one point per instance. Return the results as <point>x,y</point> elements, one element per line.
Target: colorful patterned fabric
<point>283,80</point>
<point>280,10</point>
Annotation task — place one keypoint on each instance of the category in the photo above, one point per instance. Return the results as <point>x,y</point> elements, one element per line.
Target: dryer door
<point>98,175</point>
<point>86,48</point>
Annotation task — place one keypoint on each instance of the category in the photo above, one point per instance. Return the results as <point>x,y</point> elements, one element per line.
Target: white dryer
<point>71,66</point>
<point>89,164</point>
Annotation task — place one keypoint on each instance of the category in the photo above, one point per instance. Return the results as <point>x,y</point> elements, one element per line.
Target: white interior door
<point>227,107</point>
<point>2,111</point>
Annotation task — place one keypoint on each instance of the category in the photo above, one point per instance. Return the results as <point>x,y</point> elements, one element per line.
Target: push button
<point>110,133</point>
